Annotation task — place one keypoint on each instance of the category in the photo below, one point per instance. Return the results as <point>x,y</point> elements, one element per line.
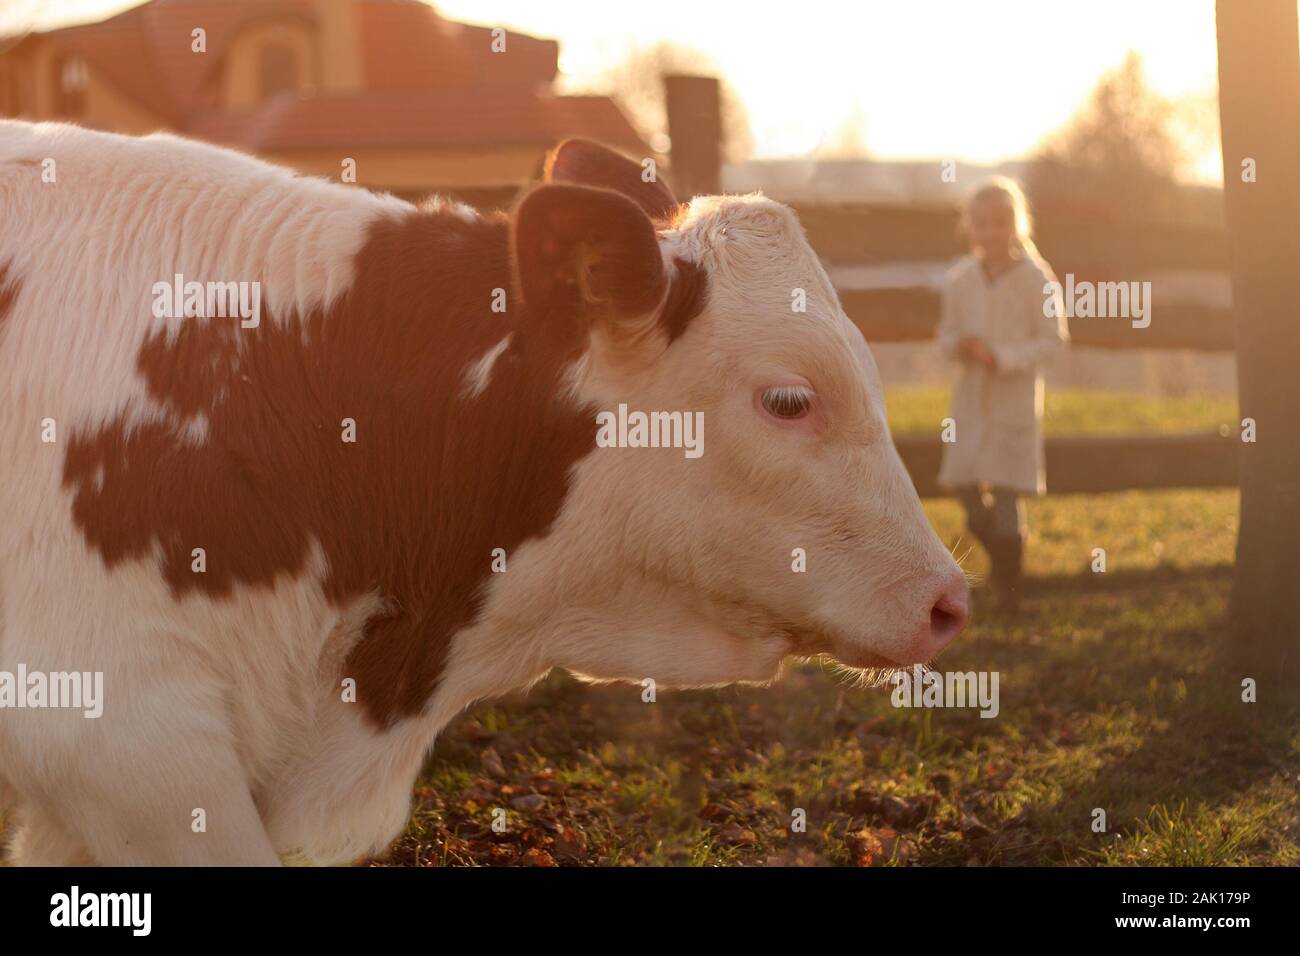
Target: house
<point>417,101</point>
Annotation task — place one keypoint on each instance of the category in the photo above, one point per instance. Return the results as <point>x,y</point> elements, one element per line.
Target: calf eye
<point>788,401</point>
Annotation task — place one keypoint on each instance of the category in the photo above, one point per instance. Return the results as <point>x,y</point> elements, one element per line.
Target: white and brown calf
<point>130,440</point>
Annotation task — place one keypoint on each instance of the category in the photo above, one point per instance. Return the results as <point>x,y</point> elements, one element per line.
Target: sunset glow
<point>931,78</point>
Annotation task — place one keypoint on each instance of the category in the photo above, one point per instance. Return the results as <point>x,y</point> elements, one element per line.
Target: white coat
<point>998,412</point>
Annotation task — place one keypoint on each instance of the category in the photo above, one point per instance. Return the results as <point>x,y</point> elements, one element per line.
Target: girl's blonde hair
<point>1003,187</point>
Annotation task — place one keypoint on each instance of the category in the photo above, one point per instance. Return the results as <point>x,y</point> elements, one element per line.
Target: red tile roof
<point>429,81</point>
<point>421,118</point>
<point>406,45</point>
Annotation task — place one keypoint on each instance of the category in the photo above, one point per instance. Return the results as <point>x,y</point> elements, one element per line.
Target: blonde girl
<point>1002,321</point>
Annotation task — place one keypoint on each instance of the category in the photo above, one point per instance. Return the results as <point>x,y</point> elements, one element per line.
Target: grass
<point>1079,412</point>
<point>1115,698</point>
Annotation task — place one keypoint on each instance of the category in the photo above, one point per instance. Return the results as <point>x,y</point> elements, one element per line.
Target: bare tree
<point>1125,150</point>
<point>637,83</point>
<point>846,141</point>
<point>17,18</point>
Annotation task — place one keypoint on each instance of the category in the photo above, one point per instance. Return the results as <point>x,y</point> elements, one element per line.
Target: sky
<point>975,80</point>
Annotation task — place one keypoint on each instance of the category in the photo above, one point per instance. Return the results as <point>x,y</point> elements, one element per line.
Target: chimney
<point>339,27</point>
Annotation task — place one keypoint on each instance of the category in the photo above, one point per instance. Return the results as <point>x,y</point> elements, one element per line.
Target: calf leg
<point>155,778</point>
<point>40,840</point>
<point>191,807</point>
<point>156,782</point>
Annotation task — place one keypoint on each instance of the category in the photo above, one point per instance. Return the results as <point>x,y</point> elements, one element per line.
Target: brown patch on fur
<point>411,511</point>
<point>8,293</point>
<point>687,294</point>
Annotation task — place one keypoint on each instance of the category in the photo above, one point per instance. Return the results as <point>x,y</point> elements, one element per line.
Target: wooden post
<point>694,108</point>
<point>1259,110</point>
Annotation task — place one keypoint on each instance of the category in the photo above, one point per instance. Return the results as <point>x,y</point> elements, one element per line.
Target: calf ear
<point>584,255</point>
<point>585,163</point>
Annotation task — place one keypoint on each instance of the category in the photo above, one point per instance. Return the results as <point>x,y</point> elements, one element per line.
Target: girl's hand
<point>974,350</point>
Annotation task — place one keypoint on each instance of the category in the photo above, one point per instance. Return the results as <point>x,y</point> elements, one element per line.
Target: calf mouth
<point>812,644</point>
<point>859,656</point>
<point>864,660</point>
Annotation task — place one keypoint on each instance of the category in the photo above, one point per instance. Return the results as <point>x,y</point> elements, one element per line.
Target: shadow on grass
<point>1122,581</point>
<point>1186,771</point>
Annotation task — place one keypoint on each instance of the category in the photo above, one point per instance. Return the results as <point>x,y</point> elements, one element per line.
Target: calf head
<point>788,526</point>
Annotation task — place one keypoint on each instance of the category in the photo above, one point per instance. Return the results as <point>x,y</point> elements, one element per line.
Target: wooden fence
<point>879,234</point>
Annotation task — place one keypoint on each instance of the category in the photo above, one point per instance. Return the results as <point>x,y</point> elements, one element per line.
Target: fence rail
<point>1090,248</point>
<point>1096,251</point>
<point>911,315</point>
<point>1089,464</point>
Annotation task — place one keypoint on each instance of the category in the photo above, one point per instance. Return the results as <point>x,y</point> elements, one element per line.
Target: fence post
<point>1259,110</point>
<point>694,108</point>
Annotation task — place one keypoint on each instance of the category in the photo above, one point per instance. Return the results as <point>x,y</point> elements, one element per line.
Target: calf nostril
<point>947,618</point>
